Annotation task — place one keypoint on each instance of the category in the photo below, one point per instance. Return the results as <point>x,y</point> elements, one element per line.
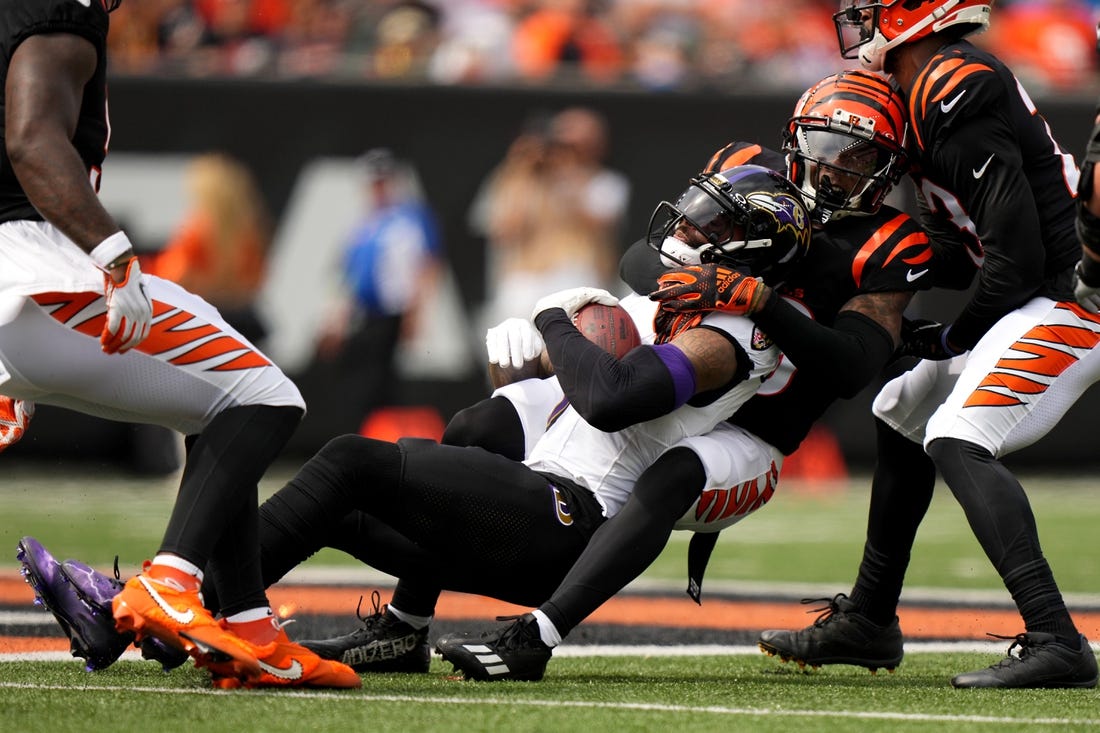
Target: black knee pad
<point>360,459</point>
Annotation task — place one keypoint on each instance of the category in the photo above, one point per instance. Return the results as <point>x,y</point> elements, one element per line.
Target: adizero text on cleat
<point>840,635</point>
<point>83,617</point>
<point>513,652</point>
<point>383,643</point>
<point>1039,661</point>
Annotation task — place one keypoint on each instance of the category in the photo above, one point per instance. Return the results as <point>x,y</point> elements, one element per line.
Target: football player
<point>467,519</point>
<point>994,185</point>
<point>845,146</point>
<point>81,327</point>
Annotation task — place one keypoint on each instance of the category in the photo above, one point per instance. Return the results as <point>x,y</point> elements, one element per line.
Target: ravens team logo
<point>780,212</point>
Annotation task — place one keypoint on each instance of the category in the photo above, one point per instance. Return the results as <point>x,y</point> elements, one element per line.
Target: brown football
<point>608,326</point>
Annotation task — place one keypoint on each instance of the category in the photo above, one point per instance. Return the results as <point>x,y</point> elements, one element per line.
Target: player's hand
<point>926,340</point>
<point>709,287</point>
<point>129,309</point>
<point>513,343</point>
<point>572,300</point>
<point>15,415</point>
<point>1088,296</point>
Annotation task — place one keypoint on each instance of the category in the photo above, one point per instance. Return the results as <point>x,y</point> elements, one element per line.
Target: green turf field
<point>804,534</point>
<point>715,693</point>
<point>803,537</point>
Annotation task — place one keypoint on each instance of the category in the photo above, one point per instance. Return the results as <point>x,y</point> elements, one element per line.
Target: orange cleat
<point>162,609</point>
<point>288,665</point>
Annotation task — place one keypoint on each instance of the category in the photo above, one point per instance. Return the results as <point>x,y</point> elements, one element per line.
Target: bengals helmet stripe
<point>846,143</point>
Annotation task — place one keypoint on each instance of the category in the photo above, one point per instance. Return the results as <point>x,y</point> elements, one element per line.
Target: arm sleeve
<point>1006,218</point>
<point>609,393</point>
<point>848,355</point>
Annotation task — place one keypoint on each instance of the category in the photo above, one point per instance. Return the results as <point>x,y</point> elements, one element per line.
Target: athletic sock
<point>547,631</point>
<point>257,625</point>
<point>173,571</point>
<point>417,622</point>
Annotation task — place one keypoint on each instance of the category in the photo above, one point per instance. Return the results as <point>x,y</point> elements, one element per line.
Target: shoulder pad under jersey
<point>890,251</point>
<point>958,84</point>
<point>742,153</point>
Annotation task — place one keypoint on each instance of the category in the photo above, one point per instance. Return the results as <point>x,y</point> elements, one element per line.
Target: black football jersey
<point>854,255</point>
<point>992,184</point>
<point>20,19</point>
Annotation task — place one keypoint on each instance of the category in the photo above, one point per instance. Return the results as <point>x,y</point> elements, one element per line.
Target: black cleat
<point>840,635</point>
<point>383,644</point>
<point>514,652</point>
<point>1042,661</point>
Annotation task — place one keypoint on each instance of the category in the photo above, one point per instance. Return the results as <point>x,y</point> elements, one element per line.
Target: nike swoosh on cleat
<point>979,172</point>
<point>946,107</point>
<point>180,618</point>
<point>293,672</point>
<point>911,276</point>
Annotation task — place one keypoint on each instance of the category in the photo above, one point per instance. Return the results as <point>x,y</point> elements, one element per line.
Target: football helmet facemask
<point>749,218</point>
<point>867,30</point>
<point>845,144</point>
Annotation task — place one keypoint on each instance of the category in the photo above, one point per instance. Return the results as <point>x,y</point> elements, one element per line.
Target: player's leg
<point>394,638</point>
<point>1021,378</point>
<point>704,483</point>
<point>863,630</point>
<point>193,373</point>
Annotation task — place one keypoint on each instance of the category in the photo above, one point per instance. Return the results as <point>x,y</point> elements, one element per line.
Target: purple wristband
<point>683,373</point>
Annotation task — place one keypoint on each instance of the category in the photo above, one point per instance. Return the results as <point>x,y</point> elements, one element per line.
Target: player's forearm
<point>55,181</point>
<point>609,393</point>
<point>846,356</point>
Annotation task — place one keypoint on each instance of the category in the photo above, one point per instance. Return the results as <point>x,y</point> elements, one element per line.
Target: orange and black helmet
<point>845,143</point>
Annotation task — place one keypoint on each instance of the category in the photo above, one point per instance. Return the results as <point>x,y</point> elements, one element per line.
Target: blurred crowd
<point>645,44</point>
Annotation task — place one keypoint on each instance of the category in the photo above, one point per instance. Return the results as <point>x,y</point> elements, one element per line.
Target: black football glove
<point>925,339</point>
<point>708,287</point>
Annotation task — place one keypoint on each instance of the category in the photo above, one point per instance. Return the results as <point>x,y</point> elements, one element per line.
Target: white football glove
<point>513,342</point>
<point>129,311</point>
<point>1087,296</point>
<point>572,300</point>
<point>15,415</point>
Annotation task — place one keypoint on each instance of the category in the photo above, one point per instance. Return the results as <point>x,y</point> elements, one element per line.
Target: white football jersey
<point>608,464</point>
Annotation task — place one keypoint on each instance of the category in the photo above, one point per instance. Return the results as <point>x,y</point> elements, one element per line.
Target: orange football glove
<point>708,287</point>
<point>14,417</point>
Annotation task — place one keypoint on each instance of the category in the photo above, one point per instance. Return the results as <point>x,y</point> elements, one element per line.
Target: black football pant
<point>458,518</point>
<point>214,519</point>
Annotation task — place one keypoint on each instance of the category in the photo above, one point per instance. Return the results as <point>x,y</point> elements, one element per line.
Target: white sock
<point>417,622</point>
<point>254,614</point>
<point>177,562</point>
<point>547,631</point>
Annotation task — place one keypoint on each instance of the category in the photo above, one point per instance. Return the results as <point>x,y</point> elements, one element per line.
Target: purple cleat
<point>97,590</point>
<point>90,628</point>
<point>80,599</point>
